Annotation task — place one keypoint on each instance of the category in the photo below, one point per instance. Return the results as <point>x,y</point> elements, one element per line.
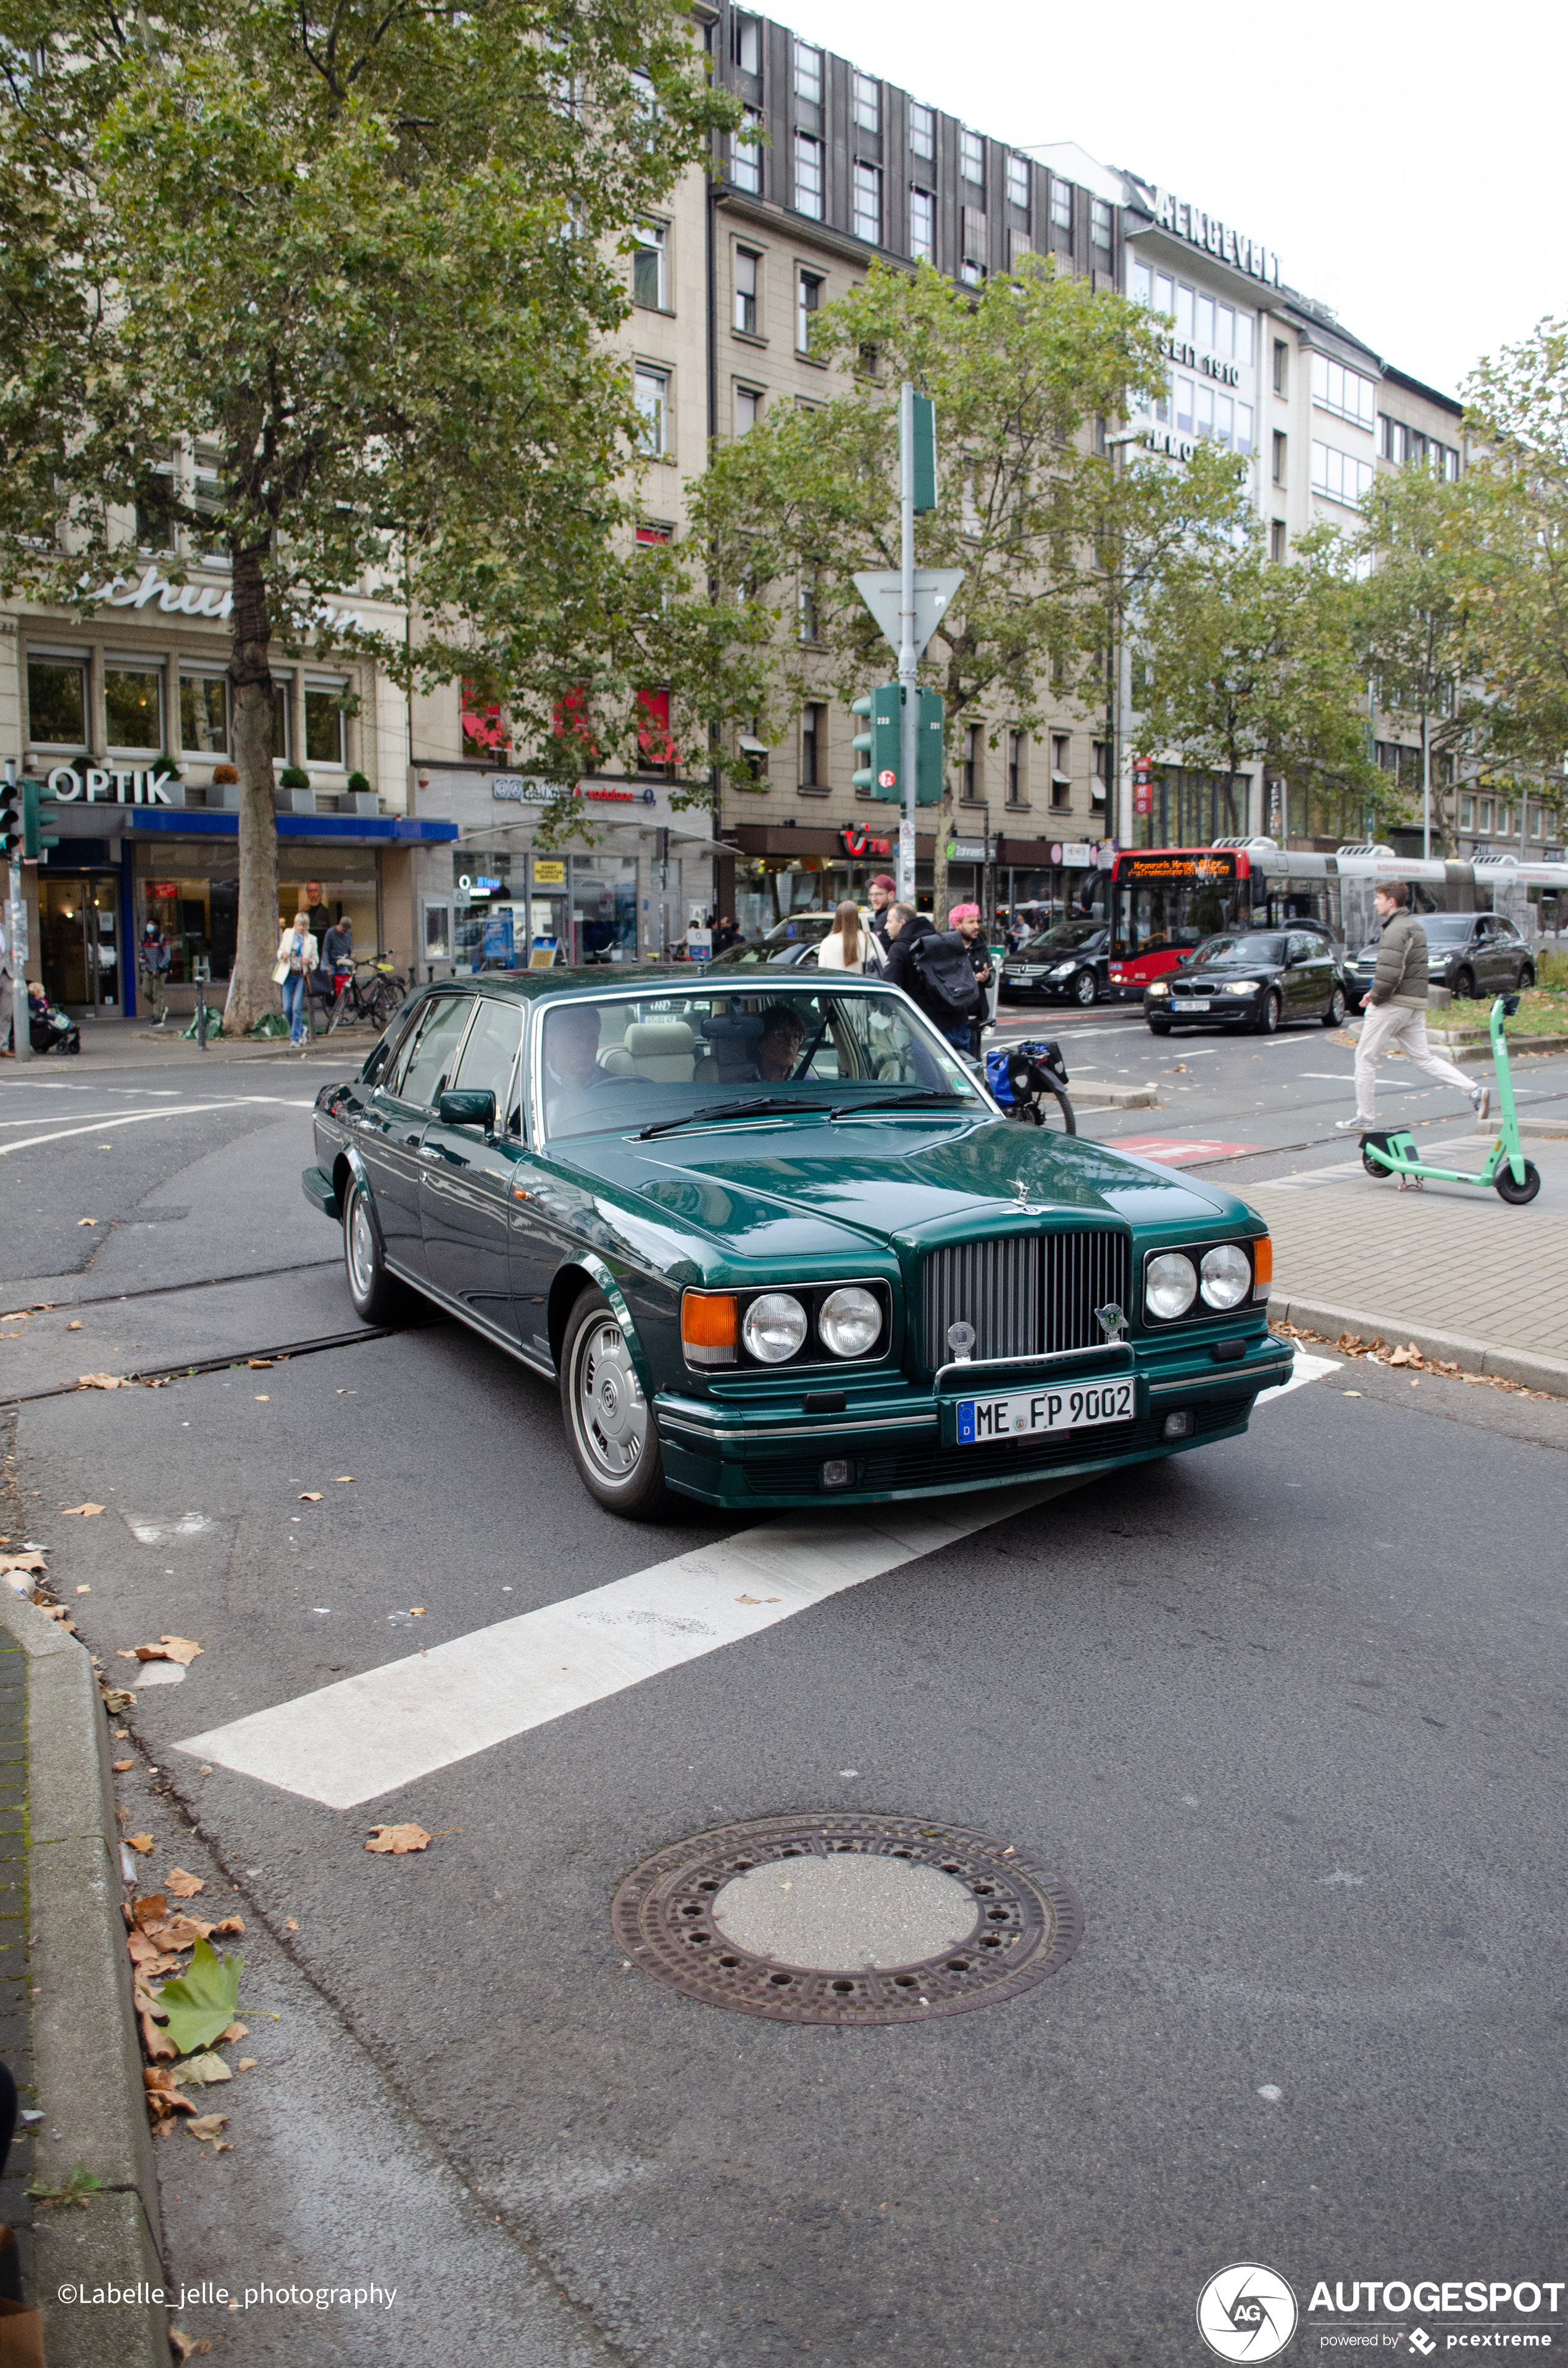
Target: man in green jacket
<point>1396,1017</point>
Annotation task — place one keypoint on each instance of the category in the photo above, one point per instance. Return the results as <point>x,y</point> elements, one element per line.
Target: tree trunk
<point>945,823</point>
<point>252,993</point>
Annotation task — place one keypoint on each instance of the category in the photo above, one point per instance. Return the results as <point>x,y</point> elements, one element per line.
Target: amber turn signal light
<point>709,1328</point>
<point>1262,1266</point>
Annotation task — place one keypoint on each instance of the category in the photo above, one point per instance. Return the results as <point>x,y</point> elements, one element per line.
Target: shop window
<point>57,702</point>
<point>204,716</point>
<point>133,707</point>
<point>324,723</point>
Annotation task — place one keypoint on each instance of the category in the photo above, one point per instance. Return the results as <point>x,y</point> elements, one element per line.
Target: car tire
<point>1268,1020</point>
<point>1159,1027</point>
<point>1334,1016</point>
<point>1085,989</point>
<point>1465,986</point>
<point>1527,977</point>
<point>609,1424</point>
<point>377,1296</point>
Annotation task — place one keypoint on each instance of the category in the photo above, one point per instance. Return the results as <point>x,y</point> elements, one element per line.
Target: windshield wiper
<point>901,1101</point>
<point>753,1103</point>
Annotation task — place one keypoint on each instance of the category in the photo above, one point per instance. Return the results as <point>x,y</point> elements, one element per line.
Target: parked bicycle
<point>366,991</point>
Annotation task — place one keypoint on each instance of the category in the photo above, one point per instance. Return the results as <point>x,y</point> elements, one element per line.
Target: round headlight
<point>1227,1275</point>
<point>774,1327</point>
<point>850,1322</point>
<point>1170,1285</point>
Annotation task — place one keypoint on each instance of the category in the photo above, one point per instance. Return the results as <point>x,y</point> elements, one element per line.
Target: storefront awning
<point>320,830</point>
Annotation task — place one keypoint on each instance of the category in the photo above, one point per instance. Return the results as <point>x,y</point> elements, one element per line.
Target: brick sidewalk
<point>1446,1258</point>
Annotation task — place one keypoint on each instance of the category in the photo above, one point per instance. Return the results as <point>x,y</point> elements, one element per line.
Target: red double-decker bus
<point>1164,900</point>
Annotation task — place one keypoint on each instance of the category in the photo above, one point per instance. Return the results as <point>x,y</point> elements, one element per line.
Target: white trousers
<point>1394,1026</point>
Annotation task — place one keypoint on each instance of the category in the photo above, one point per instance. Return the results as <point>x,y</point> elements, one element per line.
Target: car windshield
<point>783,943</point>
<point>1447,926</point>
<point>1235,953</point>
<point>620,1062</point>
<point>1065,935</point>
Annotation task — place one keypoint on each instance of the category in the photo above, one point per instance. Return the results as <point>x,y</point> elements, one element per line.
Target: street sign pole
<point>908,658</point>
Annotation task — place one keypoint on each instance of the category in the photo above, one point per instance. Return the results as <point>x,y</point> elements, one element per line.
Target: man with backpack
<point>934,970</point>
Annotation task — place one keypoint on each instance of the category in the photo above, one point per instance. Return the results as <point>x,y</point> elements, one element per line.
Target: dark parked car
<point>775,1241</point>
<point>1251,978</point>
<point>1469,954</point>
<point>789,943</point>
<point>1068,962</point>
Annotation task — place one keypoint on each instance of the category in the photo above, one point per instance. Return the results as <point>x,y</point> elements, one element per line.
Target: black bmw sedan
<point>1253,979</point>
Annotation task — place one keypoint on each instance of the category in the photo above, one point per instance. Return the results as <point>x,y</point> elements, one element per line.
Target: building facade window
<point>745,155</point>
<point>1276,539</point>
<point>1018,184</point>
<point>1335,388</point>
<point>1018,776</point>
<point>1185,327</point>
<point>867,103</point>
<point>1184,406</point>
<point>652,392</point>
<point>748,408</point>
<point>1099,225</point>
<point>1281,367</point>
<point>650,267</point>
<point>808,304</point>
<point>809,622</point>
<point>813,746</point>
<point>1062,205</point>
<point>921,132</point>
<point>923,226</point>
<point>1101,773</point>
<point>746,269</point>
<point>807,74</point>
<point>1060,779</point>
<point>972,159</point>
<point>324,723</point>
<point>1340,475</point>
<point>133,707</point>
<point>745,43</point>
<point>1280,458</point>
<point>204,714</point>
<point>869,203</point>
<point>808,175</point>
<point>282,720</point>
<point>57,702</point>
<point>972,772</point>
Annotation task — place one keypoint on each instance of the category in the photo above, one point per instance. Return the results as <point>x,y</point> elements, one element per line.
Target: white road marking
<point>139,1118</point>
<point>373,1734</point>
<point>1306,1368</point>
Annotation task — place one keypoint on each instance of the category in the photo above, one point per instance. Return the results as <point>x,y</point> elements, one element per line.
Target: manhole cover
<point>834,1919</point>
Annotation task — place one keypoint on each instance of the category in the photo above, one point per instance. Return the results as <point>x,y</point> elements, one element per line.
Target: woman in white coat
<point>849,945</point>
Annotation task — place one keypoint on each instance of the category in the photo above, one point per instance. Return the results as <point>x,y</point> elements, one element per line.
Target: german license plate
<point>1023,973</point>
<point>1023,1414</point>
<point>1193,1003</point>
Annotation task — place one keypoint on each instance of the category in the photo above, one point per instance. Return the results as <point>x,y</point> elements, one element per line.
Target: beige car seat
<point>663,1050</point>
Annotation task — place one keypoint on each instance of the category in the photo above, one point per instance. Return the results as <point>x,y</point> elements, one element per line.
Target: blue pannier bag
<point>1048,1055</point>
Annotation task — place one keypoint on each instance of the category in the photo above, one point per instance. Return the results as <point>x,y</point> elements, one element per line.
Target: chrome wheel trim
<point>609,1412</point>
<point>361,1244</point>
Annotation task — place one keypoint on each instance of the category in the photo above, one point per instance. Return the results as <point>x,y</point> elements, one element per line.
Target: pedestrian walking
<point>965,919</point>
<point>155,956</point>
<point>848,944</point>
<point>1396,1016</point>
<point>933,970</point>
<point>296,960</point>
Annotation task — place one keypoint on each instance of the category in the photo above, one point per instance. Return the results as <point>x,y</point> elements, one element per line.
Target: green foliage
<point>358,785</point>
<point>293,777</point>
<point>1412,626</point>
<point>81,2186</point>
<point>1255,663</point>
<point>201,2002</point>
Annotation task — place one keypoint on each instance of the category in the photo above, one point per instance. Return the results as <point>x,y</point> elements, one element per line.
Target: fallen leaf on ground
<point>293,1924</point>
<point>202,2069</point>
<point>186,2346</point>
<point>207,2125</point>
<point>245,2064</point>
<point>149,1956</point>
<point>167,1649</point>
<point>259,1365</point>
<point>181,1931</point>
<point>117,1699</point>
<point>87,1221</point>
<point>143,1842</point>
<point>149,1910</point>
<point>235,2031</point>
<point>84,1590</point>
<point>153,2039</point>
<point>75,1324</point>
<point>311,1496</point>
<point>100,1380</point>
<point>121,1765</point>
<point>398,1838</point>
<point>230,1924</point>
<point>121,1654</point>
<point>201,2001</point>
<point>263,1401</point>
<point>183,1885</point>
<point>25,1559</point>
<point>344,1480</point>
<point>89,1509</point>
<point>417,1611</point>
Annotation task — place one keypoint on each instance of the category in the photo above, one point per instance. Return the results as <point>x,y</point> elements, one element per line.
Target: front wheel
<point>1527,977</point>
<point>1334,1016</point>
<point>377,1296</point>
<point>1159,1027</point>
<point>1517,1195</point>
<point>609,1424</point>
<point>1085,989</point>
<point>1465,986</point>
<point>1267,1020</point>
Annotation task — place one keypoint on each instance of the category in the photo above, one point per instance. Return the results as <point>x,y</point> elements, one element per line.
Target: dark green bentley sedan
<point>776,1242</point>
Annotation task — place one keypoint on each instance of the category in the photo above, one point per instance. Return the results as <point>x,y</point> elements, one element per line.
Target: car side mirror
<point>466,1106</point>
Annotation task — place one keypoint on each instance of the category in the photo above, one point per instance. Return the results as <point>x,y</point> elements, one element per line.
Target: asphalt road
<point>1287,1712</point>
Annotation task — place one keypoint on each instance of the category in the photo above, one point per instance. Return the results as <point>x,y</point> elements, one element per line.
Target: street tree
<point>1412,627</point>
<point>1056,533</point>
<point>1250,661</point>
<point>366,256</point>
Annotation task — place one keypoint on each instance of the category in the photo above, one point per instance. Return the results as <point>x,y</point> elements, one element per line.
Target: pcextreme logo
<point>1246,2313</point>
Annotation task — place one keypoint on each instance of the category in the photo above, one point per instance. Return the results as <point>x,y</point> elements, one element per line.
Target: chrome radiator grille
<point>1024,1293</point>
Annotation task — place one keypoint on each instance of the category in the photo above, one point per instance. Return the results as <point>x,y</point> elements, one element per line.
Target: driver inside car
<point>783,1034</point>
<point>571,1056</point>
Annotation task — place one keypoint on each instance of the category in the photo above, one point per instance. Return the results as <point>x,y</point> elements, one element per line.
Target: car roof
<point>613,978</point>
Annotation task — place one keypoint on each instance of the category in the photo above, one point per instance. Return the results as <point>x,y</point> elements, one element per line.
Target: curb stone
<point>1532,1372</point>
<point>86,2056</point>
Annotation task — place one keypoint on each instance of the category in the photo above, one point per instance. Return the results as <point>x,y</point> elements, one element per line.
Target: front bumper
<point>900,1442</point>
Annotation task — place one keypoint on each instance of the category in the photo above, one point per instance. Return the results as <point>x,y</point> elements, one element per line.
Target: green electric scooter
<point>1392,1151</point>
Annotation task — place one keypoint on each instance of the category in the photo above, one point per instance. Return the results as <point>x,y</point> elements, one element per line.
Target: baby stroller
<point>49,1029</point>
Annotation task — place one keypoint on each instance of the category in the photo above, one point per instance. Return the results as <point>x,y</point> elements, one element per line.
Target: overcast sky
<point>1406,163</point>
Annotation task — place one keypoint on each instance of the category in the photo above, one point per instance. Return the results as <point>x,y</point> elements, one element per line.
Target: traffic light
<point>883,775</point>
<point>10,821</point>
<point>35,838</point>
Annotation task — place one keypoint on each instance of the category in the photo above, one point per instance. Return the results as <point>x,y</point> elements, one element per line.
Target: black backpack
<point>947,976</point>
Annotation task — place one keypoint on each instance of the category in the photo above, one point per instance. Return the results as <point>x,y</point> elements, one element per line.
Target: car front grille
<point>1024,1293</point>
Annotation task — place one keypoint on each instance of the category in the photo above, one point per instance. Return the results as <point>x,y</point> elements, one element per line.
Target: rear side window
<point>428,1068</point>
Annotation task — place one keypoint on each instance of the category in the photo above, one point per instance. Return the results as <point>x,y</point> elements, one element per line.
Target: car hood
<point>1208,978</point>
<point>810,1189</point>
